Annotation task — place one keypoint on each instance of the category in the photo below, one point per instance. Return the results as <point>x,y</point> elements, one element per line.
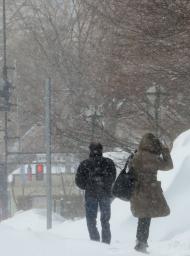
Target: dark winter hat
<point>95,148</point>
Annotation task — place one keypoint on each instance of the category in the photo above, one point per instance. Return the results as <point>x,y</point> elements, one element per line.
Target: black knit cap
<point>95,148</point>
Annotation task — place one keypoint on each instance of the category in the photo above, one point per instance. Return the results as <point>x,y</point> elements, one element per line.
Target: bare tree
<point>102,55</point>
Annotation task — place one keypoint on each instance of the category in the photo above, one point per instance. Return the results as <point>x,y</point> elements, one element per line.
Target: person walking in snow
<point>148,200</point>
<point>96,175</point>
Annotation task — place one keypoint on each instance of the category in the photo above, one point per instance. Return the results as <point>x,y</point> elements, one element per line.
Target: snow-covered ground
<point>26,234</point>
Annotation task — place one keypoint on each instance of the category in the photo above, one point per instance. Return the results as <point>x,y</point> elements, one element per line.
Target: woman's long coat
<point>148,199</point>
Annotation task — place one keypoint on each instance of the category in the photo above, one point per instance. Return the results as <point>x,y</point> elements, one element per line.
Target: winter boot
<point>141,247</point>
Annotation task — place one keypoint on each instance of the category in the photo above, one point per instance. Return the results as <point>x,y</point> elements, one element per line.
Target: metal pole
<point>4,43</point>
<point>5,197</point>
<point>157,106</point>
<point>48,153</point>
<point>93,126</point>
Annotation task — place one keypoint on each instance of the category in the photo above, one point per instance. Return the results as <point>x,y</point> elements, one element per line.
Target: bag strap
<point>127,162</point>
<point>125,167</point>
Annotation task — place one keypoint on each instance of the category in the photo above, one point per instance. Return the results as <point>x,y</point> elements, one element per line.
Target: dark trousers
<point>143,229</point>
<point>91,206</point>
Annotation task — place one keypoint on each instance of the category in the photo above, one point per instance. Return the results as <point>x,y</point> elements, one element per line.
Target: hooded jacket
<point>148,199</point>
<point>96,175</point>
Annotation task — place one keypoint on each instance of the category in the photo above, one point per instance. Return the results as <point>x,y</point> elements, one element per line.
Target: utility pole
<point>6,103</point>
<point>48,153</point>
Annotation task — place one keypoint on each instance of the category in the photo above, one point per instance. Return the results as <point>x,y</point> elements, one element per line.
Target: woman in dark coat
<point>148,200</point>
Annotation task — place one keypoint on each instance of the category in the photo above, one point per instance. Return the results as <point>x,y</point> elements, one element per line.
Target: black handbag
<point>124,185</point>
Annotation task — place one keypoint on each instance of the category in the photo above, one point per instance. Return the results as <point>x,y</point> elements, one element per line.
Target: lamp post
<point>94,114</point>
<point>154,94</point>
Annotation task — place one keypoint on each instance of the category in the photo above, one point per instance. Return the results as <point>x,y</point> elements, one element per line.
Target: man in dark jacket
<point>96,175</point>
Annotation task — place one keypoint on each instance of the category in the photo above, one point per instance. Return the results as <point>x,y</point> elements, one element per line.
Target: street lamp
<point>154,94</point>
<point>93,113</point>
